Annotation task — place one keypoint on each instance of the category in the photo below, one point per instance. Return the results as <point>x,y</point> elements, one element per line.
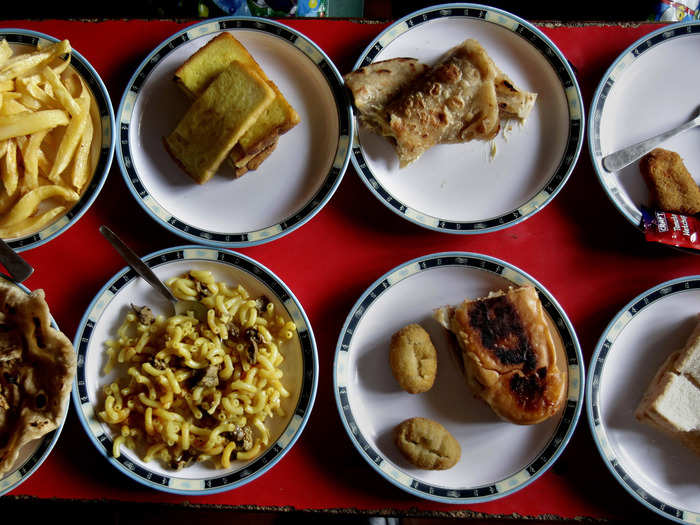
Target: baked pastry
<point>37,367</point>
<point>508,354</point>
<point>197,72</point>
<point>217,119</point>
<point>427,444</point>
<point>671,402</point>
<point>672,188</point>
<point>413,359</point>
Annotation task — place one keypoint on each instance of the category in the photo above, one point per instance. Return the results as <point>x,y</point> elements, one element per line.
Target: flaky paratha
<point>37,366</point>
<point>376,86</point>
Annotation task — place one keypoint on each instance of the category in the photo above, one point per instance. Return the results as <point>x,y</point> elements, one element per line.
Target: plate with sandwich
<point>458,377</point>
<point>234,131</point>
<point>667,178</point>
<point>643,396</point>
<point>468,118</point>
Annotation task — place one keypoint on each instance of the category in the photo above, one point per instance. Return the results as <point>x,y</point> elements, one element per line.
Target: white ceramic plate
<point>25,40</point>
<point>290,187</point>
<point>105,314</point>
<point>459,188</point>
<point>35,452</point>
<point>654,468</point>
<point>498,458</point>
<point>649,89</point>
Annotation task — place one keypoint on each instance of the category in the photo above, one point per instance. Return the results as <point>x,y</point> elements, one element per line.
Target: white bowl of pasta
<point>56,137</point>
<point>195,406</point>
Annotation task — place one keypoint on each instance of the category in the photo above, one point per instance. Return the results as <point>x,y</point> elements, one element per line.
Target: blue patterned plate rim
<point>603,346</point>
<point>499,488</point>
<point>104,105</point>
<point>273,231</point>
<point>220,480</point>
<point>544,195</point>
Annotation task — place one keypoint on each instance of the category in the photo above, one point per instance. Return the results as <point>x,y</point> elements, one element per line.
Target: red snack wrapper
<point>671,228</point>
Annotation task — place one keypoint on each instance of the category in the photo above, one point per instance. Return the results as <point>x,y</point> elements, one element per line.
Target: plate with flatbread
<point>37,367</point>
<point>195,405</point>
<point>234,131</point>
<point>639,398</point>
<point>469,119</point>
<point>639,77</point>
<point>494,456</point>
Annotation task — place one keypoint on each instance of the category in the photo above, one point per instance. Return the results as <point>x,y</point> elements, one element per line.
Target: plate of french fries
<point>56,137</point>
<point>246,155</point>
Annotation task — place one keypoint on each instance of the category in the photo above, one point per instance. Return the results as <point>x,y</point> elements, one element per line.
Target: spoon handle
<point>618,160</point>
<point>18,268</point>
<point>136,263</point>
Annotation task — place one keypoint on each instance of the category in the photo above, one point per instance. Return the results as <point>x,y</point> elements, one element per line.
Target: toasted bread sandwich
<point>508,355</point>
<point>217,119</point>
<point>671,402</point>
<point>207,63</point>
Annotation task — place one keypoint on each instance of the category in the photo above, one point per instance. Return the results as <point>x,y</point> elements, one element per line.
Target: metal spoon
<point>18,268</point>
<point>624,157</point>
<point>181,306</point>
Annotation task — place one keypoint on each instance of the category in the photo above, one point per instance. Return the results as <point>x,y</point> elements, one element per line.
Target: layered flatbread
<point>37,366</point>
<point>453,100</point>
<point>508,355</point>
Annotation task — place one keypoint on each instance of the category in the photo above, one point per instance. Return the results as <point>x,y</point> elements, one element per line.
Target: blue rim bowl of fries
<point>56,137</point>
<point>191,403</point>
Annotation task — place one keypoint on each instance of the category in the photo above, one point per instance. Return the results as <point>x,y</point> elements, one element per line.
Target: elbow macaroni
<point>192,389</point>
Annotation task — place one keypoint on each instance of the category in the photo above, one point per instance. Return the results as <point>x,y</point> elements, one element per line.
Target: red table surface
<point>579,247</point>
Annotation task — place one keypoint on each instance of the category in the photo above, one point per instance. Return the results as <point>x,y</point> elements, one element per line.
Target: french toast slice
<point>508,354</point>
<point>217,119</point>
<point>198,71</point>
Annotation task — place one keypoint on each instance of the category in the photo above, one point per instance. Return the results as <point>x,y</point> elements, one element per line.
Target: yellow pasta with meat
<point>196,389</point>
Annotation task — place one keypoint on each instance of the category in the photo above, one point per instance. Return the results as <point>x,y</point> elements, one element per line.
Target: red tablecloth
<point>579,247</point>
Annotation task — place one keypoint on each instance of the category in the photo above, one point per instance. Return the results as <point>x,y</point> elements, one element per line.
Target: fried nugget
<point>672,188</point>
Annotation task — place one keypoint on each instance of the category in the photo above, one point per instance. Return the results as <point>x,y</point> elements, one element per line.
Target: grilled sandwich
<point>507,354</point>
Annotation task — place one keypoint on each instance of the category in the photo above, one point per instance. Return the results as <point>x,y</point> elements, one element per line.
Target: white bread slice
<point>671,402</point>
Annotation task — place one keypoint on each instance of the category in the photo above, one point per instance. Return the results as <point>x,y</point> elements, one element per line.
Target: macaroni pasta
<point>198,389</point>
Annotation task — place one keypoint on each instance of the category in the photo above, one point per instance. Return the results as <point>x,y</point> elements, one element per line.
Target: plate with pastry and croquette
<point>643,398</point>
<point>458,377</point>
<point>234,131</point>
<point>647,91</point>
<point>468,118</point>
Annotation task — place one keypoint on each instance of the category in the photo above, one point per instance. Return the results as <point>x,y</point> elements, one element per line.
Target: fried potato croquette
<point>427,444</point>
<point>413,359</point>
<point>671,186</point>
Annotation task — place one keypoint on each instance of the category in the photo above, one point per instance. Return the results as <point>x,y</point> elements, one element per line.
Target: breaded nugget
<point>672,188</point>
<point>413,359</point>
<point>427,444</point>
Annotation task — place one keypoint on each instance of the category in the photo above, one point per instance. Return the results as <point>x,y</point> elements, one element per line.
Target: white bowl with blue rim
<point>287,190</point>
<point>105,314</point>
<point>655,469</point>
<point>479,186</point>
<point>649,89</point>
<point>24,40</point>
<point>498,458</point>
<point>34,453</point>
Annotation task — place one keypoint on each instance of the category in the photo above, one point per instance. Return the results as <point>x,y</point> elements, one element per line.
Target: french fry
<point>29,203</point>
<point>32,224</point>
<point>30,155</point>
<point>61,92</point>
<point>24,63</point>
<point>81,162</point>
<point>71,137</point>
<point>46,136</point>
<point>26,124</point>
<point>9,173</point>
